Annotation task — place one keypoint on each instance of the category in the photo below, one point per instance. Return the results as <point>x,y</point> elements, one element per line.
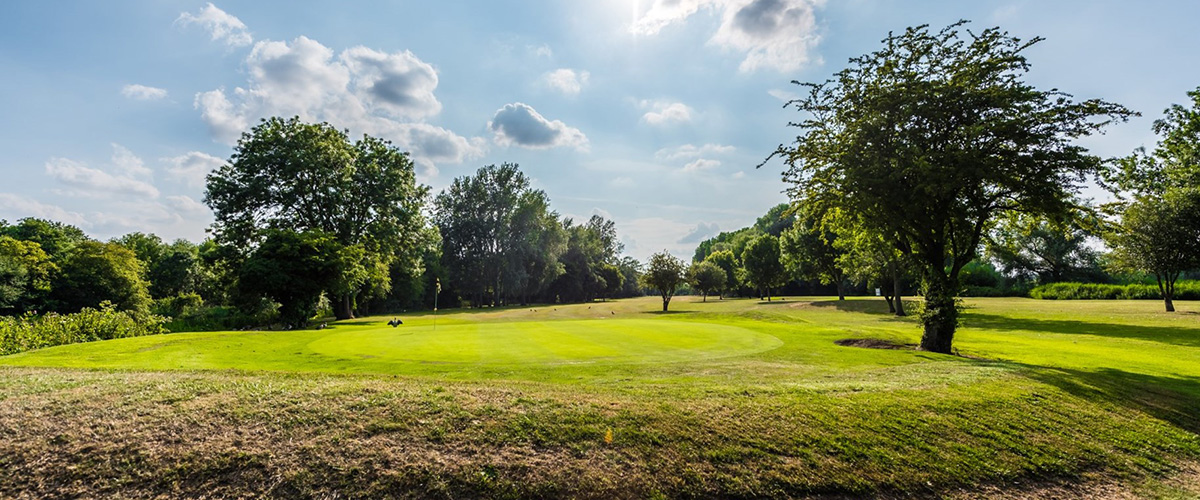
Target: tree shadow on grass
<point>1175,400</point>
<point>865,306</point>
<point>1165,334</point>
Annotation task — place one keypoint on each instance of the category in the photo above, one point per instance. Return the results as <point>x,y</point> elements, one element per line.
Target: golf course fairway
<point>714,399</point>
<point>376,347</point>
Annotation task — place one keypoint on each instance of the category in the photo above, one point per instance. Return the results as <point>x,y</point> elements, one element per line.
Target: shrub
<point>1184,290</point>
<point>31,331</point>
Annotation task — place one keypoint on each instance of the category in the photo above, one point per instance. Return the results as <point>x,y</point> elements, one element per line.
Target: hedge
<point>1184,290</point>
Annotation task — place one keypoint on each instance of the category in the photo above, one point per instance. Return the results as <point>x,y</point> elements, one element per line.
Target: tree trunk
<point>891,307</point>
<point>1170,305</point>
<point>342,309</point>
<point>768,294</point>
<point>704,297</point>
<point>897,292</point>
<point>666,300</point>
<point>940,318</point>
<point>841,286</point>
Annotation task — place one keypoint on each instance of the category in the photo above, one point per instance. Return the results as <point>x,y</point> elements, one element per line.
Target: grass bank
<point>725,398</point>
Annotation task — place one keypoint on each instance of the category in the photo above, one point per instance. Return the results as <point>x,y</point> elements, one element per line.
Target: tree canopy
<point>928,139</point>
<point>291,175</point>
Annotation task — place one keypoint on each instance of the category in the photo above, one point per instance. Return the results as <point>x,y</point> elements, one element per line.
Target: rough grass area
<point>1056,400</point>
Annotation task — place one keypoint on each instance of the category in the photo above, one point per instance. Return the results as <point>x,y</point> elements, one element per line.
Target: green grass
<point>726,398</point>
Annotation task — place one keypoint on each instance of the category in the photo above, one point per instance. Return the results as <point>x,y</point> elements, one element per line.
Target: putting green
<point>558,342</point>
<point>416,347</point>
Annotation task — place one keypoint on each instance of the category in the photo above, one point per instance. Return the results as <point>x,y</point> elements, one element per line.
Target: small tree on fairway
<point>707,278</point>
<point>764,270</point>
<point>664,273</point>
<point>1160,235</point>
<point>928,139</point>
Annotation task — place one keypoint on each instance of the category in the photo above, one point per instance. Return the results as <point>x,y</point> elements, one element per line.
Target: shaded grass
<point>1092,405</point>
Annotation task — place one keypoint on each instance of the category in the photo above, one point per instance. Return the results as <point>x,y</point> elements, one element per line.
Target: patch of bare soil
<point>875,344</point>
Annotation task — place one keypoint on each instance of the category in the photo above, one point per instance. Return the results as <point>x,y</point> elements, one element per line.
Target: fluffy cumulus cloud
<point>13,207</point>
<point>95,183</point>
<point>128,164</point>
<point>521,125</point>
<point>666,113</point>
<point>567,81</point>
<point>143,93</point>
<point>773,34</point>
<point>690,151</point>
<point>186,205</point>
<point>221,25</point>
<point>192,167</point>
<point>702,232</point>
<point>384,94</point>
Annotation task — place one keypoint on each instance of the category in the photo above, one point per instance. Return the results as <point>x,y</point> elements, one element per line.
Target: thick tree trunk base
<point>940,319</point>
<point>899,309</point>
<point>342,309</point>
<point>1170,305</point>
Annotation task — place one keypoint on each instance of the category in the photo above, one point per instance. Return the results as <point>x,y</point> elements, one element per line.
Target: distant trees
<point>25,275</point>
<point>764,269</point>
<point>809,251</point>
<point>706,277</point>
<point>665,273</point>
<point>93,272</point>
<point>1159,231</point>
<point>728,264</point>
<point>287,175</point>
<point>927,140</point>
<point>1159,235</point>
<point>1046,251</point>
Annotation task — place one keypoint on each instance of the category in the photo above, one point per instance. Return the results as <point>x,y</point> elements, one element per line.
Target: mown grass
<point>1099,397</point>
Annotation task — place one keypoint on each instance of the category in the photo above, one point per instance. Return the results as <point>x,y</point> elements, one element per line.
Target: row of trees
<point>503,244</point>
<point>304,214</point>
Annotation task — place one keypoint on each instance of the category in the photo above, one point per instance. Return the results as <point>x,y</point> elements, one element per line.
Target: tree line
<point>307,219</point>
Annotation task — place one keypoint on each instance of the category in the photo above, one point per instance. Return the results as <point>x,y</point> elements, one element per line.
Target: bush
<point>30,331</point>
<point>1017,290</point>
<point>1184,290</point>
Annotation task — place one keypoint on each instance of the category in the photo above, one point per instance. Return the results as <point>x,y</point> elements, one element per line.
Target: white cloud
<point>13,207</point>
<point>387,95</point>
<point>186,205</point>
<point>666,113</point>
<point>128,164</point>
<point>567,81</point>
<point>91,182</point>
<point>542,50</point>
<point>143,93</point>
<point>646,236</point>
<point>783,95</point>
<point>773,34</point>
<point>702,232</point>
<point>400,84</point>
<point>192,167</point>
<point>520,124</point>
<point>622,182</point>
<point>220,25</point>
<point>701,164</point>
<point>224,122</point>
<point>739,174</point>
<point>689,151</point>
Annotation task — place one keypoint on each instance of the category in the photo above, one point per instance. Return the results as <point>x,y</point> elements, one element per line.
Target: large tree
<point>763,264</point>
<point>665,273</point>
<point>1160,235</point>
<point>928,139</point>
<point>25,275</point>
<point>291,175</point>
<point>500,240</point>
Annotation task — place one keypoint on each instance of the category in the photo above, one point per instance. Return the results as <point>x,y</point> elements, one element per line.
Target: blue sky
<point>652,113</point>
